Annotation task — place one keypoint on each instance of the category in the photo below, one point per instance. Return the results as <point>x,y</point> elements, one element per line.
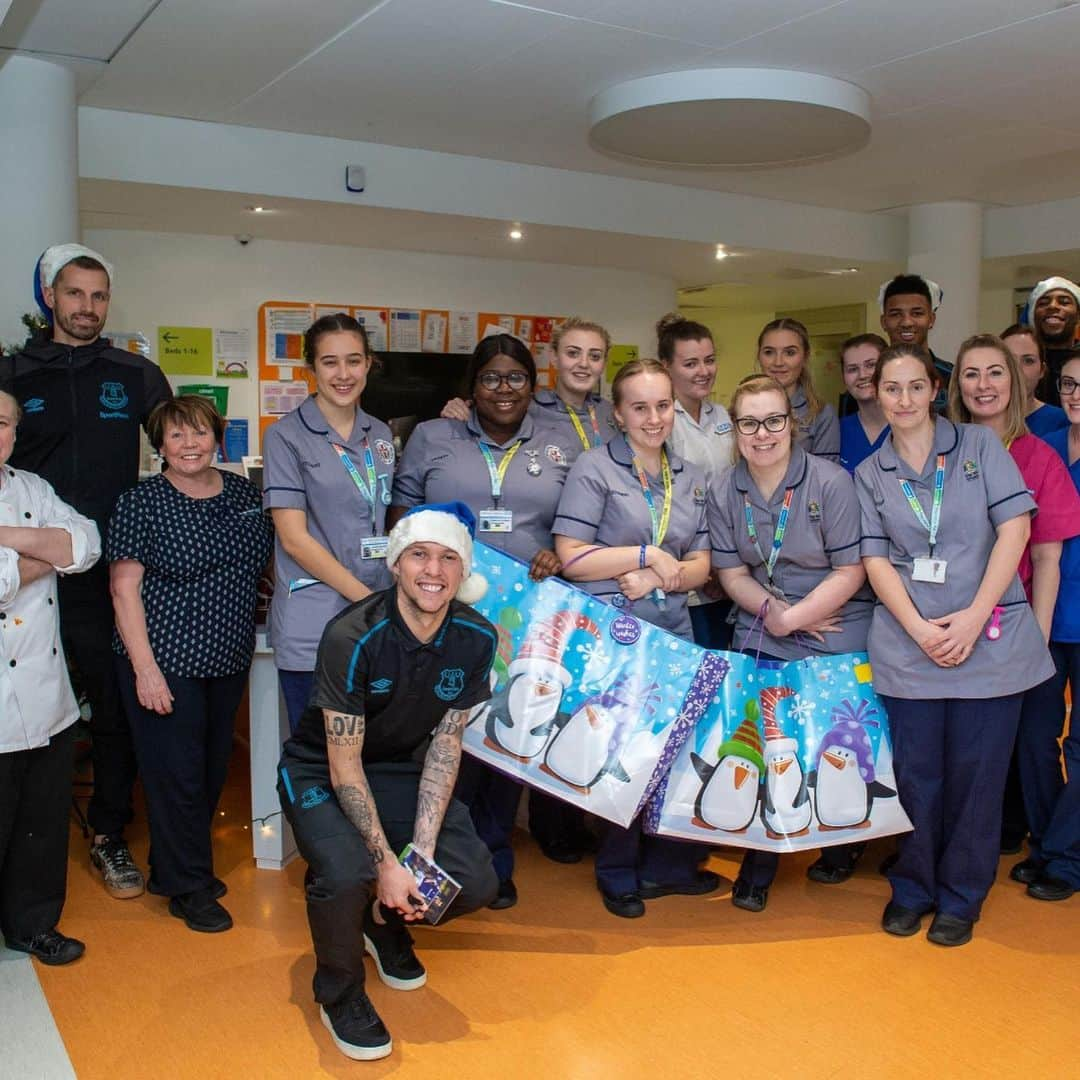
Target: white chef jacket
<point>36,700</point>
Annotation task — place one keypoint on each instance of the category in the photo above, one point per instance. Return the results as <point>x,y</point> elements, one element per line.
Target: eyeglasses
<point>749,425</point>
<point>492,380</point>
<point>1066,386</point>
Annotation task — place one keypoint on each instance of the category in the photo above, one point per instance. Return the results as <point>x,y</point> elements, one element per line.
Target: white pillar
<point>945,245</point>
<point>39,177</point>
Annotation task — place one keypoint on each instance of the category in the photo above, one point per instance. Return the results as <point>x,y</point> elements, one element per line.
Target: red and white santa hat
<point>776,742</point>
<point>542,650</point>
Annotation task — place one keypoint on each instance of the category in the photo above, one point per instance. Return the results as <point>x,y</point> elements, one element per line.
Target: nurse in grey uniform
<point>785,538</point>
<point>327,473</point>
<point>508,467</point>
<point>631,531</point>
<point>953,642</point>
<point>784,353</point>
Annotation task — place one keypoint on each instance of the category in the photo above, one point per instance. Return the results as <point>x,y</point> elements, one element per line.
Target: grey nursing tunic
<point>983,488</point>
<point>550,409</point>
<point>822,534</point>
<point>820,436</point>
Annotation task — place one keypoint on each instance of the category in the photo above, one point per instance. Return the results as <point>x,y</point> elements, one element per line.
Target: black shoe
<point>112,860</point>
<point>356,1029</point>
<point>749,897</point>
<point>562,852</point>
<point>831,870</point>
<point>1046,887</point>
<point>1012,840</point>
<point>901,921</point>
<point>705,882</point>
<point>50,947</point>
<point>217,888</point>
<point>949,930</point>
<point>390,945</point>
<point>1026,872</point>
<point>627,906</point>
<point>887,864</point>
<point>506,897</point>
<point>200,911</point>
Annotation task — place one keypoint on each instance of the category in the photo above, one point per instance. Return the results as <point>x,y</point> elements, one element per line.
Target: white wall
<point>183,280</point>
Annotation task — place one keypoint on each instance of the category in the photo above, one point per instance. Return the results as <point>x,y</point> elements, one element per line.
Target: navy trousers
<point>710,626</point>
<point>627,857</point>
<point>951,758</point>
<point>296,690</point>
<point>492,798</point>
<point>1053,806</point>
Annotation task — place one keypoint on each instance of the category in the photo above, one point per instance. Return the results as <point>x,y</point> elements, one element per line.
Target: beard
<point>81,331</point>
<point>1063,338</point>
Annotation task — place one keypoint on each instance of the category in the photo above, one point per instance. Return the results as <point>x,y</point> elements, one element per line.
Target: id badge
<point>374,547</point>
<point>928,569</point>
<point>493,520</point>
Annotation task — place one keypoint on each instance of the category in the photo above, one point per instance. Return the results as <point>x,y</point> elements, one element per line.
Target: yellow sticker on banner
<point>863,673</point>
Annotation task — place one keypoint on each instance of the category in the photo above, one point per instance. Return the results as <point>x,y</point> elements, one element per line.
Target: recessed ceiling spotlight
<point>257,209</point>
<point>722,252</point>
<point>843,271</point>
<point>516,233</point>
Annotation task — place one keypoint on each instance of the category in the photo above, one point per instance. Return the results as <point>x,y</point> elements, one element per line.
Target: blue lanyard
<point>930,526</point>
<point>368,489</point>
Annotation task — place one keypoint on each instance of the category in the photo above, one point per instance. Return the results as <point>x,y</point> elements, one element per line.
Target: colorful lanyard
<point>778,535</point>
<point>367,490</point>
<point>659,525</point>
<point>579,428</point>
<point>497,474</point>
<point>930,526</point>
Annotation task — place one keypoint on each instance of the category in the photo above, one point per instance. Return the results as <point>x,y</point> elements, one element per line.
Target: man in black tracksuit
<point>83,404</point>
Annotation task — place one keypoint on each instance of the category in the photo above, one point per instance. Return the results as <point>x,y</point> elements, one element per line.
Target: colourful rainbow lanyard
<point>778,535</point>
<point>930,526</point>
<point>580,429</point>
<point>498,473</point>
<point>367,490</point>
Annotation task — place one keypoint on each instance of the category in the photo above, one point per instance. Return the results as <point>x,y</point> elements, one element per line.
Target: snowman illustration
<point>588,744</point>
<point>786,810</point>
<point>844,780</point>
<point>519,721</point>
<point>731,789</point>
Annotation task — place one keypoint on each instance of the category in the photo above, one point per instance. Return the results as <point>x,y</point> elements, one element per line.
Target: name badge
<point>374,547</point>
<point>493,520</point>
<point>930,570</point>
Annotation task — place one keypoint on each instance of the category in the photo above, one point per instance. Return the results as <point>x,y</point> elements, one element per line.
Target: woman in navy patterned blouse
<point>186,549</point>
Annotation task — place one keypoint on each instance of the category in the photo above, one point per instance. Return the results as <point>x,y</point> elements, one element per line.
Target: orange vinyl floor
<point>558,988</point>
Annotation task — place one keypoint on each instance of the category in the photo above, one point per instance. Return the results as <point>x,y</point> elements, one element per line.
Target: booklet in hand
<point>433,883</point>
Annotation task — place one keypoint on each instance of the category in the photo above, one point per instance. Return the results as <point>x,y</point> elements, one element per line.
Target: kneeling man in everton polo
<point>372,768</point>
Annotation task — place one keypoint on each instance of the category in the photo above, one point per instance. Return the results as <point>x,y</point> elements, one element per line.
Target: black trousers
<point>35,800</point>
<point>341,878</point>
<point>86,627</point>
<point>183,760</point>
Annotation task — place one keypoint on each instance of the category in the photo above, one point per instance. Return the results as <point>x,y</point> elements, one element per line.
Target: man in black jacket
<point>1054,312</point>
<point>83,403</point>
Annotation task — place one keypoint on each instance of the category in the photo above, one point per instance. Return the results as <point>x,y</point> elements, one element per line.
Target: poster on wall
<point>404,330</point>
<point>462,332</point>
<point>279,398</point>
<point>232,353</point>
<point>132,341</point>
<point>374,321</point>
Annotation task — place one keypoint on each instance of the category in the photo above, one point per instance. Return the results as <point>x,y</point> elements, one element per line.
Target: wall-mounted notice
<point>404,330</point>
<point>374,321</point>
<point>232,353</point>
<point>617,356</point>
<point>279,398</point>
<point>283,334</point>
<point>462,332</point>
<point>434,334</point>
<point>186,350</point>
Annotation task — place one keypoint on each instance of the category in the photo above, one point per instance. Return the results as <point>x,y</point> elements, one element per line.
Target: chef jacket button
<point>12,663</point>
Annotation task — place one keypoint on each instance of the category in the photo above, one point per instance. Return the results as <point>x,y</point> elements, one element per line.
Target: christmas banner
<point>792,755</point>
<point>617,716</point>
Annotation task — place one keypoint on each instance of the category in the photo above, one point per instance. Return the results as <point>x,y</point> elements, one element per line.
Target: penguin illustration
<point>519,721</point>
<point>587,745</point>
<point>786,810</point>
<point>844,780</point>
<point>731,789</point>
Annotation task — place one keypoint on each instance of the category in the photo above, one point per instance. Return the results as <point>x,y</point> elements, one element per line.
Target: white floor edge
<point>32,1048</point>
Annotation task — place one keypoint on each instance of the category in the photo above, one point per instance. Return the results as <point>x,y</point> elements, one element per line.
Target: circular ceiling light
<point>734,117</point>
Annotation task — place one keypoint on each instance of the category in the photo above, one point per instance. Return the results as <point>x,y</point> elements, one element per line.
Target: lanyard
<point>930,526</point>
<point>778,535</point>
<point>659,525</point>
<point>579,428</point>
<point>497,474</point>
<point>368,489</point>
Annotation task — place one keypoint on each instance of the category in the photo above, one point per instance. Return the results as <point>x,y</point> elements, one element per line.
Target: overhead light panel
<point>516,233</point>
<point>722,252</point>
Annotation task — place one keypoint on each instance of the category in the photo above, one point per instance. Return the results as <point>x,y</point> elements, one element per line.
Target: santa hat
<point>745,743</point>
<point>775,738</point>
<point>53,260</point>
<point>1048,285</point>
<point>543,648</point>
<point>849,732</point>
<point>450,524</point>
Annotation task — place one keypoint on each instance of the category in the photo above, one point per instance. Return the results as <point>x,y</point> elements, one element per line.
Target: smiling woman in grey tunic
<point>953,642</point>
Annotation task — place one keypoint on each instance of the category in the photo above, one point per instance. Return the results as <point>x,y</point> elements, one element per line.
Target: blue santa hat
<point>451,524</point>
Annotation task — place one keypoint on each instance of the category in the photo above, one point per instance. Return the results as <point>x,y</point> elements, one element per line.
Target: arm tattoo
<point>344,742</point>
<point>437,780</point>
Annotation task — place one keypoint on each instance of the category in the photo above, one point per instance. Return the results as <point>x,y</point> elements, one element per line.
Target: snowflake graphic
<point>801,710</point>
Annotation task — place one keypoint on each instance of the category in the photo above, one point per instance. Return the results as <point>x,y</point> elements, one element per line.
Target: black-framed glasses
<point>492,380</point>
<point>1066,386</point>
<point>749,425</point>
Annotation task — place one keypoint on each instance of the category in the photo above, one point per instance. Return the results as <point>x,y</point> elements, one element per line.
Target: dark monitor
<point>414,385</point>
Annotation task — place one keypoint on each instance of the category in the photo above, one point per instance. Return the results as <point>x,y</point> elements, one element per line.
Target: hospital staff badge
<point>555,454</point>
<point>813,510</point>
<point>385,451</point>
<point>971,470</point>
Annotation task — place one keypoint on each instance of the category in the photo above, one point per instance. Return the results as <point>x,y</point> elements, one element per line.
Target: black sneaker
<point>356,1029</point>
<point>390,945</point>
<point>627,906</point>
<point>50,947</point>
<point>749,897</point>
<point>112,860</point>
<point>201,912</point>
<point>506,897</point>
<point>1026,871</point>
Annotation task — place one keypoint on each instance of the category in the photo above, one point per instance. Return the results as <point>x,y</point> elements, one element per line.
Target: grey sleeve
<point>825,438</point>
<point>874,539</point>
<point>581,505</point>
<point>411,473</point>
<point>841,525</point>
<point>725,552</point>
<point>283,482</point>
